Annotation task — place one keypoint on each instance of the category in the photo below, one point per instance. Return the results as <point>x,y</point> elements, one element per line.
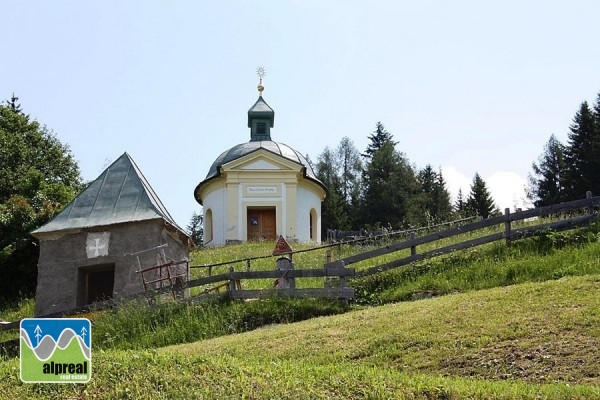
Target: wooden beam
<point>329,293</point>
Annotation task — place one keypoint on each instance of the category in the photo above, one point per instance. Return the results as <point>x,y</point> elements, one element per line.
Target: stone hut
<point>261,189</point>
<point>92,249</point>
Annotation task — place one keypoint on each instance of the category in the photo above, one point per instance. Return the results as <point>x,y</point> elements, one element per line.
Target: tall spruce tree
<point>460,205</point>
<point>378,138</point>
<point>480,202</point>
<point>596,111</point>
<point>195,228</point>
<point>441,196</point>
<point>583,155</point>
<point>390,187</point>
<point>546,184</point>
<point>433,199</point>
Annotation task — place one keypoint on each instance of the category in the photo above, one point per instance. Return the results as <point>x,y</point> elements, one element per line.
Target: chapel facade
<point>260,189</point>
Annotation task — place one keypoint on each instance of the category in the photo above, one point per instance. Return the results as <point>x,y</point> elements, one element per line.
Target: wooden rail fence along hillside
<point>574,214</point>
<point>510,227</point>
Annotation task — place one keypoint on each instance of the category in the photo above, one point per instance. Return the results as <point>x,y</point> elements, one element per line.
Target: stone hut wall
<point>68,261</point>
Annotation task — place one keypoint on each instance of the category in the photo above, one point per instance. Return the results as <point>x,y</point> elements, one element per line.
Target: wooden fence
<point>567,215</point>
<point>336,235</point>
<point>231,283</point>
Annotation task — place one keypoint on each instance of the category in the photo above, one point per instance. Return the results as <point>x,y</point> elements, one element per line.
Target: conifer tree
<point>460,206</point>
<point>433,199</point>
<point>441,195</point>
<point>583,155</point>
<point>378,138</point>
<point>195,228</point>
<point>480,202</point>
<point>390,188</point>
<point>548,180</point>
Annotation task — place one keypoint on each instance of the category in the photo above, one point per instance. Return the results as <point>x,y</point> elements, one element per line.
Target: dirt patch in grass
<point>568,359</point>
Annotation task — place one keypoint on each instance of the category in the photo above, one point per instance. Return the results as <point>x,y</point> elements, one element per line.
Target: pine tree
<point>547,183</point>
<point>378,138</point>
<point>390,187</point>
<point>480,202</point>
<point>441,195</point>
<point>582,155</point>
<point>195,228</point>
<point>460,206</point>
<point>596,113</point>
<point>434,199</point>
<point>14,106</point>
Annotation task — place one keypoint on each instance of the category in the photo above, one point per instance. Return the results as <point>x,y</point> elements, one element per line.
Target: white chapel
<point>260,189</point>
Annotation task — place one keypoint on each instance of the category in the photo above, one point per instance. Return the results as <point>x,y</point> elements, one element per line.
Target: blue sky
<point>468,86</point>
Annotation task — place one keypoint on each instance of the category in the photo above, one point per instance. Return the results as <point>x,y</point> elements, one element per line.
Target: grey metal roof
<point>261,110</point>
<point>120,194</point>
<point>242,149</point>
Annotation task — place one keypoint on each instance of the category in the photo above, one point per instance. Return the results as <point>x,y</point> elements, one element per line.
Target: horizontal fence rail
<point>564,210</point>
<point>231,281</point>
<point>236,292</point>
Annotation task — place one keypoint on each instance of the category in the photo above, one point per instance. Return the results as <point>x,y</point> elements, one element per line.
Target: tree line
<point>39,176</point>
<point>565,172</point>
<point>381,188</point>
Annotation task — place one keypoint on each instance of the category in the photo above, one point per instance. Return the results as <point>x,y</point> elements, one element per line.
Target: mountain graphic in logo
<point>56,350</point>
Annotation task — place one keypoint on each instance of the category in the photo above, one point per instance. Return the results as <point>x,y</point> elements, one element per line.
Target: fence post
<point>284,264</point>
<point>248,265</point>
<point>413,249</point>
<point>328,258</point>
<point>507,226</point>
<point>231,280</point>
<point>345,303</point>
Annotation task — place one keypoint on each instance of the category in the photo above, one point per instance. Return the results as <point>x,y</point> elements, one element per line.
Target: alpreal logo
<point>56,350</point>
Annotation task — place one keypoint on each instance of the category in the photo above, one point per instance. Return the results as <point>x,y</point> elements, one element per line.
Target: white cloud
<point>507,188</point>
<point>456,180</point>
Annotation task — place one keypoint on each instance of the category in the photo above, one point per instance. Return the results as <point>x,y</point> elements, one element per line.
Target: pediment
<point>262,160</point>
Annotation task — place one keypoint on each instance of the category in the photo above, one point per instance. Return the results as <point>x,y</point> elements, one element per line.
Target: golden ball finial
<point>261,72</point>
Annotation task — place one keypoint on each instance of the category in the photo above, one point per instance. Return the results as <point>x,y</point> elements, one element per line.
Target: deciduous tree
<point>38,177</point>
<point>333,209</point>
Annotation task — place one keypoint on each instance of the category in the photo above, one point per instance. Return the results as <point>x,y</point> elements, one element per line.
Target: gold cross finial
<point>261,72</point>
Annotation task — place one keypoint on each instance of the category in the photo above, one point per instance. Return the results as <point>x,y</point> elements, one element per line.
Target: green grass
<point>530,341</point>
<point>547,256</point>
<point>518,322</point>
<point>168,323</point>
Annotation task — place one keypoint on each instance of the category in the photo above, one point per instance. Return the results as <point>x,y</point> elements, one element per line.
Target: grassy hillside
<point>518,322</point>
<point>534,340</point>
